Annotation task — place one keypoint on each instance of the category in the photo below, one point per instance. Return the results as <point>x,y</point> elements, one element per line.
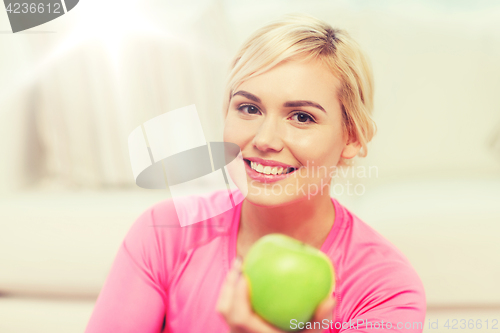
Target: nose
<point>268,136</point>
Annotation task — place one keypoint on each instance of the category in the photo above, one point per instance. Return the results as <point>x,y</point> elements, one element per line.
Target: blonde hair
<point>304,36</point>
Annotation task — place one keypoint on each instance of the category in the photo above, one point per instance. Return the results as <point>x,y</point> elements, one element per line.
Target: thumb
<point>325,309</point>
<point>323,314</point>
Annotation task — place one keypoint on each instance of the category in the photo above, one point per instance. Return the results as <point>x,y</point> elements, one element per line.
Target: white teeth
<point>268,170</point>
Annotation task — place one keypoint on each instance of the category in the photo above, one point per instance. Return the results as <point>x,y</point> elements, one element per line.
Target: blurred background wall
<point>73,89</point>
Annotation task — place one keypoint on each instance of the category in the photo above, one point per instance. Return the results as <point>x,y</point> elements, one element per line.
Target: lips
<point>270,163</point>
<point>267,171</point>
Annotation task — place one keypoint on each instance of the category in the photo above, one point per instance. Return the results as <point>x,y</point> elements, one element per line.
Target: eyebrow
<point>248,95</point>
<point>290,104</point>
<point>294,104</point>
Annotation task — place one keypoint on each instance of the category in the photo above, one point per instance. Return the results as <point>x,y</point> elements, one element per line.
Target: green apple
<point>287,279</point>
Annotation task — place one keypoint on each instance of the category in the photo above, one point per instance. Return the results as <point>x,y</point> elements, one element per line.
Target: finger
<point>227,290</point>
<point>242,314</point>
<point>324,311</point>
<point>242,307</point>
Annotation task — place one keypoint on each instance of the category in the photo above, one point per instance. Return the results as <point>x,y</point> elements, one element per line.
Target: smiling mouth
<point>269,170</point>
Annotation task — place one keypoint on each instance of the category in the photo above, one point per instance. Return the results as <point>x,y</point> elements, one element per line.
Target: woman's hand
<point>234,305</point>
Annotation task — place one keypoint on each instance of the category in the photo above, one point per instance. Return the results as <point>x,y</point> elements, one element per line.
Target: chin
<point>268,200</point>
<point>264,197</point>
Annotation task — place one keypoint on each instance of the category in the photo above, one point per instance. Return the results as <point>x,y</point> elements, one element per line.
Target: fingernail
<point>237,263</point>
<point>333,303</point>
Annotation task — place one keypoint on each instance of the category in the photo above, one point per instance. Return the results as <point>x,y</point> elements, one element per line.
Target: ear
<point>351,149</point>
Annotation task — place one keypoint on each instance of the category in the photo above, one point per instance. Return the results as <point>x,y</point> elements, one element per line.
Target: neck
<point>308,221</point>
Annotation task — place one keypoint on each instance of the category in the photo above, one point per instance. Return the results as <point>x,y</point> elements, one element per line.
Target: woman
<point>298,102</point>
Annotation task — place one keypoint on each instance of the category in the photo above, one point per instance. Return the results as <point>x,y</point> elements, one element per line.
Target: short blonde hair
<point>304,36</point>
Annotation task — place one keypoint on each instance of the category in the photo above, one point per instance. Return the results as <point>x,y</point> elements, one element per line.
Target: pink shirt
<point>163,271</point>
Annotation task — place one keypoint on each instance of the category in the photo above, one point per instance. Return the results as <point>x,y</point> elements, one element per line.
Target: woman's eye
<point>249,109</point>
<point>302,117</point>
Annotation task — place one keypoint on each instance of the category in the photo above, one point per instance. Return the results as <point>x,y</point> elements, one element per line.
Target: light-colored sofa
<point>55,251</point>
<point>56,247</point>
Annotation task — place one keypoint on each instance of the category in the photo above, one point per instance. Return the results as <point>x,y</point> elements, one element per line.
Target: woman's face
<point>288,117</point>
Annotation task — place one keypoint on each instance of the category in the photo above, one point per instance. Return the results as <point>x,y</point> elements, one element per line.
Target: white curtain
<point>90,99</point>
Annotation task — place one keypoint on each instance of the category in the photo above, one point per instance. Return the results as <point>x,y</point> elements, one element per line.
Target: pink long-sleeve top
<point>167,278</point>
